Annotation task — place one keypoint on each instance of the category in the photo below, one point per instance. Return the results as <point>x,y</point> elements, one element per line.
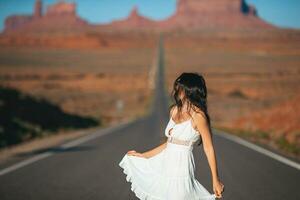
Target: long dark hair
<point>195,92</point>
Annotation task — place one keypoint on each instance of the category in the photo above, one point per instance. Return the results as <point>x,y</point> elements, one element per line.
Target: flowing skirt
<point>169,175</point>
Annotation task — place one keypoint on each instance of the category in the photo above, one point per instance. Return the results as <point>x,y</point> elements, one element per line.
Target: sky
<point>282,13</point>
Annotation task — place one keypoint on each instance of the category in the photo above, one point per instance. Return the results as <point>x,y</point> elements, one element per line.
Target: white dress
<point>169,175</point>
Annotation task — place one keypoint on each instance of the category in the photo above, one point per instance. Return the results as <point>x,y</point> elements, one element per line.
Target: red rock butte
<point>189,15</point>
<point>59,16</point>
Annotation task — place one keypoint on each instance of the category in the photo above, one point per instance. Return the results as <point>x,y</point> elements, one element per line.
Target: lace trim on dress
<point>181,142</point>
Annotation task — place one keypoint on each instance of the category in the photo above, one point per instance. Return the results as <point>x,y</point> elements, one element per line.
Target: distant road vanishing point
<point>87,168</point>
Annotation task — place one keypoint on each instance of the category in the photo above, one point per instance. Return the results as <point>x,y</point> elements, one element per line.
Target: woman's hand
<point>218,188</point>
<point>134,153</point>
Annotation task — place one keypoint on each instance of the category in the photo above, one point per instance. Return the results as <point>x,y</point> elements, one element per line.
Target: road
<point>87,169</point>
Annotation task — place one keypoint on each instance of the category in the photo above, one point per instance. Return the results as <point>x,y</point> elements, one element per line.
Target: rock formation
<point>134,20</point>
<point>215,14</point>
<point>200,14</point>
<point>248,9</point>
<point>189,15</point>
<point>15,22</point>
<point>58,17</point>
<point>38,9</point>
<point>60,9</point>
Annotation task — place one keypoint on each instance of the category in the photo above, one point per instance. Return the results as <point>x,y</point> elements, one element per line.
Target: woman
<point>167,171</point>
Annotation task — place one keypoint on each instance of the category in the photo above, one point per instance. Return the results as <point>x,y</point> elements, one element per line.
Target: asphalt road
<point>88,169</point>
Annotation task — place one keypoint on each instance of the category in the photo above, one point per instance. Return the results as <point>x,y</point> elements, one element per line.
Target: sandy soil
<point>109,79</point>
<point>253,82</point>
<point>106,84</point>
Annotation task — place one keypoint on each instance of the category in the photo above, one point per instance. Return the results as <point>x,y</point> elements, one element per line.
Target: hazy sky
<point>283,13</point>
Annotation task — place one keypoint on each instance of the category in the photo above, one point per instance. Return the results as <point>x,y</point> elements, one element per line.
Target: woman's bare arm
<point>202,126</point>
<point>154,151</point>
<point>159,148</point>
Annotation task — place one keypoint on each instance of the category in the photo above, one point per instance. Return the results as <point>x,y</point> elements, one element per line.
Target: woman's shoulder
<point>173,110</point>
<point>198,114</point>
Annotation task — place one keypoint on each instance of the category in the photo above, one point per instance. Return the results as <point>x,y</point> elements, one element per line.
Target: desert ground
<point>107,83</point>
<point>252,77</point>
<point>253,82</point>
<point>108,80</point>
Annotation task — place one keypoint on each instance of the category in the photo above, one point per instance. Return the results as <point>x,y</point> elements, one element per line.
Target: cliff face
<point>134,20</point>
<point>16,21</point>
<point>203,14</point>
<point>207,7</point>
<point>38,9</point>
<point>60,9</point>
<point>189,15</point>
<point>199,14</point>
<point>248,9</point>
<point>58,17</point>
